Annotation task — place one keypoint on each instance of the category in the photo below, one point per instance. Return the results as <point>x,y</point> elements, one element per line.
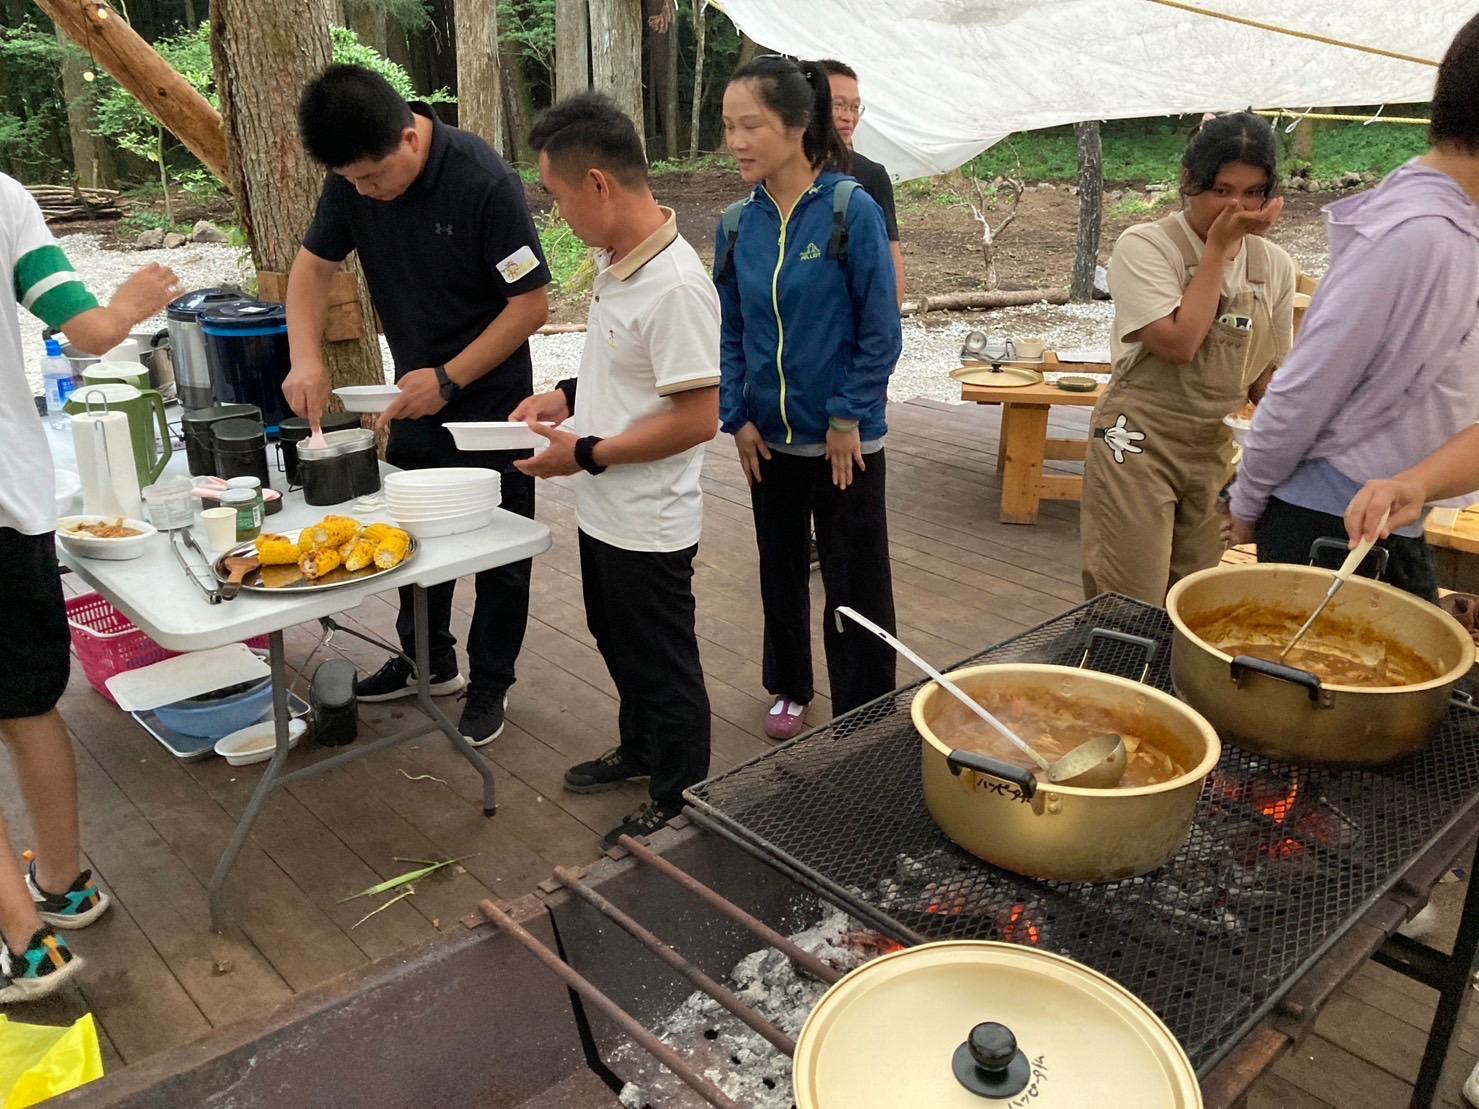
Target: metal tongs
<point>212,593</point>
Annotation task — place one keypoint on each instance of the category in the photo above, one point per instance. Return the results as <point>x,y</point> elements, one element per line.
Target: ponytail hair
<point>799,93</point>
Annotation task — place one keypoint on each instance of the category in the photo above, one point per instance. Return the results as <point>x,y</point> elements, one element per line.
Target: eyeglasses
<point>854,109</point>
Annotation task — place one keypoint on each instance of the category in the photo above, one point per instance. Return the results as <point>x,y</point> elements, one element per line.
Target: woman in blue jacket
<point>809,337</point>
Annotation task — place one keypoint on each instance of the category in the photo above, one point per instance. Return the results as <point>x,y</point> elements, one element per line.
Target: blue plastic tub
<point>216,717</point>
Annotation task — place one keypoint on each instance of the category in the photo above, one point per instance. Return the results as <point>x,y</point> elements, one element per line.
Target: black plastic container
<point>346,468</point>
<point>200,441</point>
<point>246,346</point>
<point>335,707</point>
<point>241,450</point>
<point>293,431</point>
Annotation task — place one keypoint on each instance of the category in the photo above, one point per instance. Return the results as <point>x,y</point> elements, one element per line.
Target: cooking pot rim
<point>1210,756</point>
<point>1422,609</point>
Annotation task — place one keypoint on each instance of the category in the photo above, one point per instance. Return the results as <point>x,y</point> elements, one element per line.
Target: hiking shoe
<point>606,772</point>
<point>482,716</point>
<point>397,678</point>
<point>786,719</point>
<point>43,968</point>
<point>76,907</point>
<point>646,820</point>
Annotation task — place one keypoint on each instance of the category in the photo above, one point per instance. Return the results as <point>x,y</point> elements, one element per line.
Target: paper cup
<point>1030,349</point>
<point>220,528</point>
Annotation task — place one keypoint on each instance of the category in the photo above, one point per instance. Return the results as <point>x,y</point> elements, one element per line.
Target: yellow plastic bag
<point>38,1061</point>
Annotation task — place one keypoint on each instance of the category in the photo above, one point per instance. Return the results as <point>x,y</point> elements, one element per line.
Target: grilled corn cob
<point>358,553</point>
<point>317,563</point>
<point>333,531</point>
<point>392,549</point>
<point>377,532</point>
<point>276,550</point>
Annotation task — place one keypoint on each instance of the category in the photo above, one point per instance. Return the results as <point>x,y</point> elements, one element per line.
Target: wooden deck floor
<point>153,826</point>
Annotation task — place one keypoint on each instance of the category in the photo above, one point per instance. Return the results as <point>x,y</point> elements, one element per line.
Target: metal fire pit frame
<point>835,809</point>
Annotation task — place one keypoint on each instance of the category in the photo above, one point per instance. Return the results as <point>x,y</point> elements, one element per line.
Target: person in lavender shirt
<point>1386,367</point>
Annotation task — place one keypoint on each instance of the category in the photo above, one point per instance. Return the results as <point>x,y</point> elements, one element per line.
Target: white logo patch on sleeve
<point>518,264</point>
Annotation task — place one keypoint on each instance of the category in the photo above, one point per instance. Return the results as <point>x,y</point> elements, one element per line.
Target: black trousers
<point>1286,532</point>
<point>502,608</point>
<point>639,607</point>
<point>852,544</point>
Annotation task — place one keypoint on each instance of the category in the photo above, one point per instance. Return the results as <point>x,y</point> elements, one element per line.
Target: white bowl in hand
<point>367,398</point>
<point>496,435</point>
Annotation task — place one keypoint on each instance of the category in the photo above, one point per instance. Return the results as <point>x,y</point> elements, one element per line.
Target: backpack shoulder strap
<point>841,197</point>
<point>730,225</point>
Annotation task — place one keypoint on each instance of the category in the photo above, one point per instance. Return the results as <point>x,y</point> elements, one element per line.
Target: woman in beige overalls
<point>1204,309</point>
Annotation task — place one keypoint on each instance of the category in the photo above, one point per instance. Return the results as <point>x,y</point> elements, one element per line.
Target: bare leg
<point>42,752</point>
<point>18,918</point>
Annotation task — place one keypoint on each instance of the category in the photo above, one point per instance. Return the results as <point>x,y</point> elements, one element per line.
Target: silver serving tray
<point>334,579</point>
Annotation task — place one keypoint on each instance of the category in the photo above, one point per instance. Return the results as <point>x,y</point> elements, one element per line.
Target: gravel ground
<point>931,343</point>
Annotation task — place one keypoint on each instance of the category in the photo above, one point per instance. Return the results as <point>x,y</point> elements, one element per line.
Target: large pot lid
<point>192,304</point>
<point>894,1032</point>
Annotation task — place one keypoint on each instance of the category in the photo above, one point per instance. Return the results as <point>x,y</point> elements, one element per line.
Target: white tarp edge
<point>944,79</point>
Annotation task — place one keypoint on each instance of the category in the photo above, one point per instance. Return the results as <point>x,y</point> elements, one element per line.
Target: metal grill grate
<point>1280,861</point>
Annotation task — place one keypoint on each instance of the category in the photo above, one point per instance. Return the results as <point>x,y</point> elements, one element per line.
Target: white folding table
<point>154,593</point>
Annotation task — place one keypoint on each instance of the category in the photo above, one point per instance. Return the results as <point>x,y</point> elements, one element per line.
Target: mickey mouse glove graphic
<point>1121,440</point>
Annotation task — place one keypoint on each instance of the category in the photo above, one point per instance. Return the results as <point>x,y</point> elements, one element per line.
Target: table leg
<point>1024,434</point>
<point>1001,445</point>
<point>431,709</point>
<point>269,782</point>
<point>1453,992</point>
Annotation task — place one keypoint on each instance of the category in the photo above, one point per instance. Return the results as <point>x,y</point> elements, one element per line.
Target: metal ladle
<point>1098,763</point>
<point>1343,575</point>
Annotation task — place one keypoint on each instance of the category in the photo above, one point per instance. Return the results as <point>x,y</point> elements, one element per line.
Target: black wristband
<point>568,388</point>
<point>446,386</point>
<point>585,454</point>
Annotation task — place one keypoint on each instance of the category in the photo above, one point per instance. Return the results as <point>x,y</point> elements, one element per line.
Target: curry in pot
<point>1053,727</point>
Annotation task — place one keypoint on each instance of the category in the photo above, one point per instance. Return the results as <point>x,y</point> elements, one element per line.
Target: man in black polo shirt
<point>455,270</point>
<point>847,113</point>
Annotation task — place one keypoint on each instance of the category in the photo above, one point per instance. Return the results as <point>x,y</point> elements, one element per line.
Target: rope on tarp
<point>1309,35</point>
<point>1285,113</point>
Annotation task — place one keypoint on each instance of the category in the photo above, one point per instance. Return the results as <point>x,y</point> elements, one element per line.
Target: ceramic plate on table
<point>289,579</point>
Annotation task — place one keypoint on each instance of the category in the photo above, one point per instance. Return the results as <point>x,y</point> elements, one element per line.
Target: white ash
<point>749,1069</point>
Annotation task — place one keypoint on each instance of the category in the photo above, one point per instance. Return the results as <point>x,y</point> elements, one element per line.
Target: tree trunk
<point>1302,140</point>
<point>370,22</point>
<point>264,54</point>
<point>616,53</point>
<point>91,156</point>
<point>664,58</point>
<point>518,105</point>
<point>135,65</point>
<point>572,48</point>
<point>698,76</point>
<point>192,20</point>
<point>747,51</point>
<point>478,85</point>
<point>1090,209</point>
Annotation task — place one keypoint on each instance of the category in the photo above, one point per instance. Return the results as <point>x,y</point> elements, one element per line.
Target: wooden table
<point>1455,547</point>
<point>1025,444</point>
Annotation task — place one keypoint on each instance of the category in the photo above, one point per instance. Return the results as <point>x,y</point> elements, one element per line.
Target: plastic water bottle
<point>56,375</point>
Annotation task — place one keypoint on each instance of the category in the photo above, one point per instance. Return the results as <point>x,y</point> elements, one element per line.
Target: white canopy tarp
<point>944,79</point>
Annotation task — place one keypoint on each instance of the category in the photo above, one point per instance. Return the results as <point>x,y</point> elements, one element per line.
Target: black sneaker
<point>77,906</point>
<point>482,716</point>
<point>39,970</point>
<point>397,678</point>
<point>814,559</point>
<point>646,820</point>
<point>606,772</point>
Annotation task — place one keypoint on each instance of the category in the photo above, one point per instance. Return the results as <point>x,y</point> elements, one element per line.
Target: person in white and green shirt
<point>34,657</point>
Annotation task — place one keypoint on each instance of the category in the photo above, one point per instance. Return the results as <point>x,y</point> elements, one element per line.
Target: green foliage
<point>145,220</point>
<point>349,50</point>
<point>1136,206</point>
<point>531,24</point>
<point>1365,148</point>
<point>569,259</point>
<point>409,15</point>
<point>31,107</point>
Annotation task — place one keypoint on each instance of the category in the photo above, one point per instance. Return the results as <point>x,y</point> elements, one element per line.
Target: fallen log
<point>62,202</point>
<point>955,302</point>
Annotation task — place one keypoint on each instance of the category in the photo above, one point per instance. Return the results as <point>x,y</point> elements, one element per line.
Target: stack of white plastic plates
<point>447,501</point>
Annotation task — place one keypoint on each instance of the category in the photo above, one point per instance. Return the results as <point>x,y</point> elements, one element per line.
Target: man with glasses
<point>847,113</point>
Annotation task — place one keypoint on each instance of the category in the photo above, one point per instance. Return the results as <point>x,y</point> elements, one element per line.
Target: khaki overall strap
<point>1176,228</point>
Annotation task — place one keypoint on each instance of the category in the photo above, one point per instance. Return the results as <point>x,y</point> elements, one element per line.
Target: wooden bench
<point>1025,444</point>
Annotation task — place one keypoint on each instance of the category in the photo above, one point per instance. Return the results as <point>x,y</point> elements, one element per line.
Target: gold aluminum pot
<point>1287,713</point>
<point>1001,813</point>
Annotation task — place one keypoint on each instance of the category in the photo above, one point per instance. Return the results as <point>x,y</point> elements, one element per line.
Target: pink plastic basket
<point>108,643</point>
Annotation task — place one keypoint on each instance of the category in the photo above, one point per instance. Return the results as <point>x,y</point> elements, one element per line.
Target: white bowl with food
<point>496,435</point>
<point>1240,421</point>
<point>256,742</point>
<point>116,538</point>
<point>367,398</point>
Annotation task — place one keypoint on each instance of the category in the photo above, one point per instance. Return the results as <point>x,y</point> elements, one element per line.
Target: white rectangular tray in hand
<point>496,435</point>
<point>184,676</point>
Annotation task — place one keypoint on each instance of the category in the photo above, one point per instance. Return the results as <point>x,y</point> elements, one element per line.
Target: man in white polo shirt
<point>648,401</point>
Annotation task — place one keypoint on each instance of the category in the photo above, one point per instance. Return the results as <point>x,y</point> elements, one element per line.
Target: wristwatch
<point>449,388</point>
<point>585,454</point>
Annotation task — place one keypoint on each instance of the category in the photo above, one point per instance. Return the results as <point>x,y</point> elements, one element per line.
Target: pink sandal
<point>786,719</point>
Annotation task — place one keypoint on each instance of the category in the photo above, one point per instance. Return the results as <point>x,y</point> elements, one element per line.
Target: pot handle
<point>1149,646</point>
<point>1342,548</point>
<point>1292,674</point>
<point>1023,779</point>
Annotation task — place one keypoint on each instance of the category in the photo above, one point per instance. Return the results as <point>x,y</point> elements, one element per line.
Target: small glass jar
<point>170,503</point>
<point>255,485</point>
<point>247,503</point>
